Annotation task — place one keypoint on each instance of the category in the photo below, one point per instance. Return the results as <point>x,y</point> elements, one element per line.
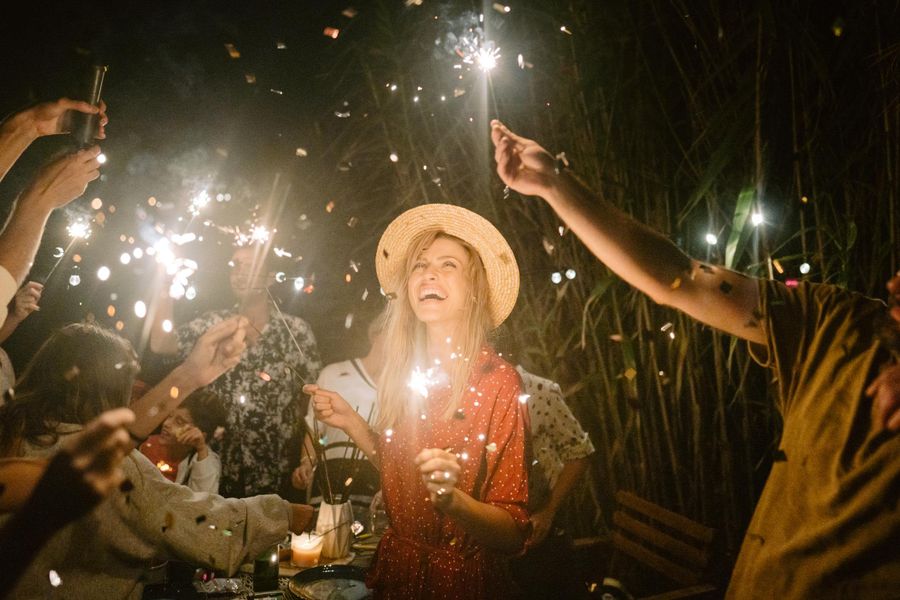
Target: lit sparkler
<point>79,229</point>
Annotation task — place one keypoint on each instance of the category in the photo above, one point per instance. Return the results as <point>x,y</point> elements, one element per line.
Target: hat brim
<point>496,255</point>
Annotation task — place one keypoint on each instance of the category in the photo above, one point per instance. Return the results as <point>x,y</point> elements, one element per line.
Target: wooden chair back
<point>667,542</point>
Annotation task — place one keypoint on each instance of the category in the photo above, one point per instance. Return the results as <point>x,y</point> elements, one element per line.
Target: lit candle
<point>305,549</point>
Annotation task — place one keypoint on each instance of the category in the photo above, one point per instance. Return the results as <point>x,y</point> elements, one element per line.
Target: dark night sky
<point>183,116</point>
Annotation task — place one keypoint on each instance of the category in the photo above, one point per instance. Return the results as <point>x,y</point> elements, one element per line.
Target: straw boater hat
<point>496,255</point>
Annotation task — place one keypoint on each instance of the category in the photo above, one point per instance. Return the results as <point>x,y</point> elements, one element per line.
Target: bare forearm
<point>365,439</point>
<point>152,408</point>
<point>14,139</point>
<point>9,325</point>
<point>653,264</point>
<point>641,256</point>
<point>490,525</point>
<point>570,475</point>
<point>21,238</point>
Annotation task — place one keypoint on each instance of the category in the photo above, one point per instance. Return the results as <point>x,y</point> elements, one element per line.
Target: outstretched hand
<point>97,452</point>
<point>522,164</point>
<point>51,118</point>
<point>893,288</point>
<point>64,179</point>
<point>330,407</point>
<point>217,351</point>
<point>885,394</point>
<point>26,300</point>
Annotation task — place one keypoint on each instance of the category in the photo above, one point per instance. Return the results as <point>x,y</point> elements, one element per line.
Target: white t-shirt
<point>200,475</point>
<point>349,379</point>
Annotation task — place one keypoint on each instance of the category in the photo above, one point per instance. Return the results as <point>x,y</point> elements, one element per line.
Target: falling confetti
<point>492,447</point>
<point>332,32</point>
<point>232,51</point>
<point>55,579</point>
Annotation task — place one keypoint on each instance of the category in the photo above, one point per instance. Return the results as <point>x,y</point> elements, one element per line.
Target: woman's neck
<point>437,344</point>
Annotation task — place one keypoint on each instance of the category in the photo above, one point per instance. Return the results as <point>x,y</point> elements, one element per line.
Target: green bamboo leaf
<point>739,235</point>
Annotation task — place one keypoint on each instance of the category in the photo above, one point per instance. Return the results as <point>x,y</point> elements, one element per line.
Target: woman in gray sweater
<point>81,371</point>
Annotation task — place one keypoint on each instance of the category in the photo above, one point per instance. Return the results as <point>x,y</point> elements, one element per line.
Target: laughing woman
<point>450,439</point>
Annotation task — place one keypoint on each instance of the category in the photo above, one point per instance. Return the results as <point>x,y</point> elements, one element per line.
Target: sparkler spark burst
<point>79,229</point>
<point>420,381</point>
<point>487,59</point>
<point>198,202</point>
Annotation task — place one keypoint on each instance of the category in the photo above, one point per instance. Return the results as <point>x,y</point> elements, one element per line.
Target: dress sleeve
<point>506,481</point>
<point>200,528</point>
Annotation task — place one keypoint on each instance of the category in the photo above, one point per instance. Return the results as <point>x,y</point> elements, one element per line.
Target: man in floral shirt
<point>261,395</point>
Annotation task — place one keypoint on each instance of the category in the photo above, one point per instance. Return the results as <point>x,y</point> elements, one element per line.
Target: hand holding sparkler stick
<point>439,470</point>
<point>217,351</point>
<point>522,164</point>
<point>64,179</point>
<point>330,407</point>
<point>52,118</point>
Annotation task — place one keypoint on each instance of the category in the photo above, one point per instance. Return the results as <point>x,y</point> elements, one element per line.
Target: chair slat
<point>655,561</point>
<point>671,519</point>
<point>697,557</point>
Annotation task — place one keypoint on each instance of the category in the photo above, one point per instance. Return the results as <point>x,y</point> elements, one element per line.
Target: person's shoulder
<point>296,323</point>
<point>209,318</point>
<point>498,370</point>
<point>535,384</point>
<point>334,370</point>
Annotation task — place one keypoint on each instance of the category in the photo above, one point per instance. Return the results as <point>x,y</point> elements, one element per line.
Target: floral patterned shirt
<point>556,435</point>
<point>263,399</point>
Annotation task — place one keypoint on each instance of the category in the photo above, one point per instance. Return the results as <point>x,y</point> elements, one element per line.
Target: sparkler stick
<point>59,260</point>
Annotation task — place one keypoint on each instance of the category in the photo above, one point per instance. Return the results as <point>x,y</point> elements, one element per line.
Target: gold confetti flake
<point>492,447</point>
<point>630,373</point>
<point>173,392</point>
<point>232,51</point>
<point>676,283</point>
<point>332,32</point>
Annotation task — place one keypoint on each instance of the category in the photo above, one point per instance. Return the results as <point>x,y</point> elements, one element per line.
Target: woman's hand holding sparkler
<point>439,470</point>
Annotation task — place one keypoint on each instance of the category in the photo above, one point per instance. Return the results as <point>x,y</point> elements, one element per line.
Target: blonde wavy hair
<point>405,338</point>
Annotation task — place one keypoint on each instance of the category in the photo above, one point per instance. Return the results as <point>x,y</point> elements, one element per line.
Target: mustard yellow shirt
<point>828,522</point>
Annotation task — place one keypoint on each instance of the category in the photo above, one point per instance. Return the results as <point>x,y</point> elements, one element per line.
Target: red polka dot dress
<point>424,554</point>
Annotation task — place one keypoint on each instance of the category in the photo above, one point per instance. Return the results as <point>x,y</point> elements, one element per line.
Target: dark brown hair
<point>81,371</point>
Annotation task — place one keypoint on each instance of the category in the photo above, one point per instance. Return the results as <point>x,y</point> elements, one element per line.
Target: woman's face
<point>438,287</point>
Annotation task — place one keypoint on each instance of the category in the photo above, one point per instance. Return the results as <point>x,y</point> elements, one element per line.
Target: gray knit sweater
<point>106,553</point>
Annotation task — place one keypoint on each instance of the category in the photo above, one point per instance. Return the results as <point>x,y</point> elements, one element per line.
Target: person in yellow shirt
<point>827,524</point>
